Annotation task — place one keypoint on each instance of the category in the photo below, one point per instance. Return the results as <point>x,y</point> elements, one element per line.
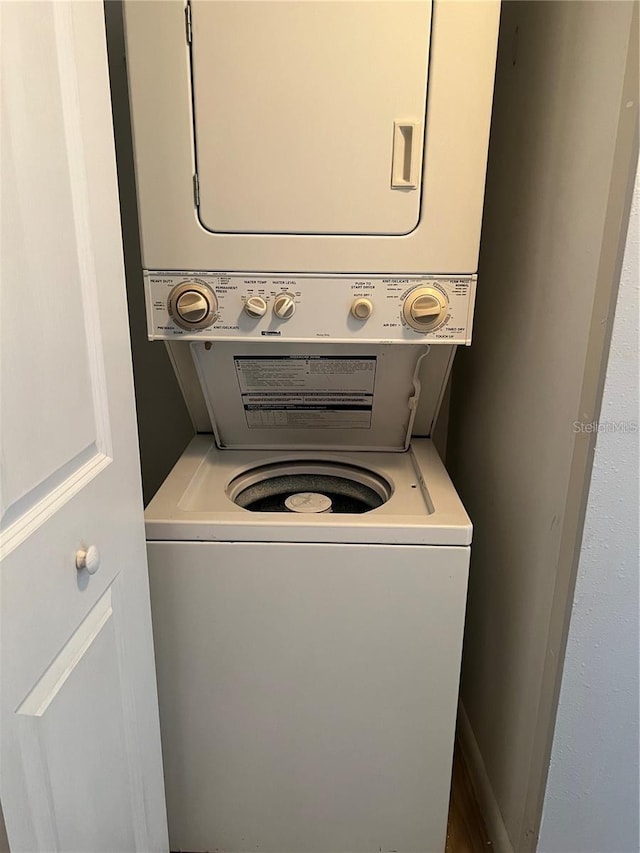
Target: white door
<point>309,116</point>
<point>81,763</point>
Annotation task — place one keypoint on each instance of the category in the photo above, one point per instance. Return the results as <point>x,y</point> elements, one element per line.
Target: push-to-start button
<point>361,308</point>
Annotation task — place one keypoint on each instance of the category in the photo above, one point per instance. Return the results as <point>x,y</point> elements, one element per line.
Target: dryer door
<point>309,116</point>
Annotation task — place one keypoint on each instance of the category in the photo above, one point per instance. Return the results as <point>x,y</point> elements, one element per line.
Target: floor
<point>466,831</point>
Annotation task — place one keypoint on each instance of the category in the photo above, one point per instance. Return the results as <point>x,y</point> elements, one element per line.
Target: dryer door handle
<point>406,148</point>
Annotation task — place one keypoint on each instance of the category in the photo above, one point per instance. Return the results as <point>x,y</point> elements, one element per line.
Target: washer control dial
<point>361,308</point>
<point>192,305</point>
<point>255,306</point>
<point>425,308</point>
<point>284,306</point>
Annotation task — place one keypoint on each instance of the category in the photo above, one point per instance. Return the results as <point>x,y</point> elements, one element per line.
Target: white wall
<point>547,271</point>
<point>592,799</point>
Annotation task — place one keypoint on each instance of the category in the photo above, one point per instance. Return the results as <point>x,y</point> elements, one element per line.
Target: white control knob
<point>362,308</point>
<point>88,559</point>
<point>425,309</point>
<point>192,305</point>
<point>284,306</point>
<point>255,306</point>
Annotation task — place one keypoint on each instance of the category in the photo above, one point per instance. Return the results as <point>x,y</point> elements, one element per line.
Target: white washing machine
<point>308,614</point>
<point>308,604</point>
<point>310,178</point>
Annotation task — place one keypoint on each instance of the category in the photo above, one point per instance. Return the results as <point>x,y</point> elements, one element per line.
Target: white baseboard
<point>482,786</point>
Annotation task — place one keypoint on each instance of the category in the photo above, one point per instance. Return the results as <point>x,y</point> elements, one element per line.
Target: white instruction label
<point>307,391</point>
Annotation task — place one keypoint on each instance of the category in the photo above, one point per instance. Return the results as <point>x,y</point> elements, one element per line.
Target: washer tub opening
<point>331,487</point>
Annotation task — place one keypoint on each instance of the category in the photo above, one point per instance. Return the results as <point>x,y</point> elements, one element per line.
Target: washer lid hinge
<point>187,20</point>
<point>196,190</point>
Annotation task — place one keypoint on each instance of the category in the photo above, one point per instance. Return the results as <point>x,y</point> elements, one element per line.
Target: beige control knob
<point>255,306</point>
<point>284,306</point>
<point>425,308</point>
<point>362,308</point>
<point>192,305</point>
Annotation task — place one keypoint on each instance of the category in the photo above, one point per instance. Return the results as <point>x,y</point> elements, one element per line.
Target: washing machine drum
<point>309,487</point>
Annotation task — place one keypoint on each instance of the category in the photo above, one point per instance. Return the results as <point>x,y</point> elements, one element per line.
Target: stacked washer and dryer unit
<point>310,181</point>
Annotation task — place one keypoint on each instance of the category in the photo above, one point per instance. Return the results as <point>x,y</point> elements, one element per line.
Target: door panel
<point>81,764</point>
<point>308,693</point>
<point>49,322</point>
<point>87,762</point>
<point>295,109</point>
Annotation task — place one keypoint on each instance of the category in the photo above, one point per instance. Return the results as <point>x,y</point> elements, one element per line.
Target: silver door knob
<point>89,559</point>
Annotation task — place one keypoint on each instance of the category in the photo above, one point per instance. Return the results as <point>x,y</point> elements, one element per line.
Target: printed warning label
<point>307,392</point>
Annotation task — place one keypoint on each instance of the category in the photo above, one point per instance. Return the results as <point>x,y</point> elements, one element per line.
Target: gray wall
<point>561,160</point>
<point>4,843</point>
<point>592,799</point>
<point>164,426</point>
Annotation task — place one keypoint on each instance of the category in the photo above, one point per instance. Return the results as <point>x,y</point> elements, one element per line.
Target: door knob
<point>88,559</point>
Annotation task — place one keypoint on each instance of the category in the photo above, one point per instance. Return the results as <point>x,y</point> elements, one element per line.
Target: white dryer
<point>310,136</point>
<point>308,603</point>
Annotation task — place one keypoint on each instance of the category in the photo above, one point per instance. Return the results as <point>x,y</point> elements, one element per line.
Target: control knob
<point>425,308</point>
<point>362,308</point>
<point>284,306</point>
<point>255,306</point>
<point>192,305</point>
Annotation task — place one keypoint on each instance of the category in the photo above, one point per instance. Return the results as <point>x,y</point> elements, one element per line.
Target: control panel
<point>373,309</point>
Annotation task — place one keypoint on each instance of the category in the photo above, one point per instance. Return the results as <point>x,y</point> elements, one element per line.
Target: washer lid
<point>310,396</point>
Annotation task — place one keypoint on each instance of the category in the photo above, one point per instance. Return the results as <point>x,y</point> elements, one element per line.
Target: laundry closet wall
<point>164,425</point>
<point>561,166</point>
<point>595,743</point>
